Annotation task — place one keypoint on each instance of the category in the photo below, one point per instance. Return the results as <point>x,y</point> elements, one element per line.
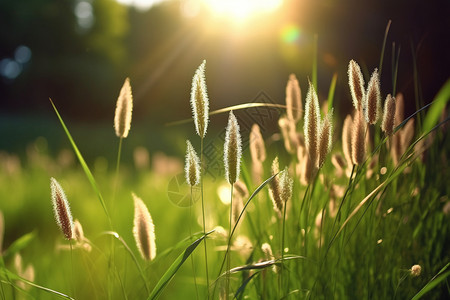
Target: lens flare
<point>239,10</point>
<point>290,34</point>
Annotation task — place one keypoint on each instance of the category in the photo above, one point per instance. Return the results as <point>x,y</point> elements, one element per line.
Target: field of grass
<point>349,230</point>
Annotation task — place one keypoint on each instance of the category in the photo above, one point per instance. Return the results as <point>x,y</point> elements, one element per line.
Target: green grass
<point>385,224</point>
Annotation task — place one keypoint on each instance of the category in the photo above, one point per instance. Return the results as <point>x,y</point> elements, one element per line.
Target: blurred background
<point>78,52</point>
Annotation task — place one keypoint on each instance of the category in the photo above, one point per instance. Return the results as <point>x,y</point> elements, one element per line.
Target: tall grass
<point>373,222</point>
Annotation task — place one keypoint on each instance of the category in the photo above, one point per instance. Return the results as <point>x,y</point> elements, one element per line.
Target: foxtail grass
<point>293,99</point>
<point>232,161</point>
<point>312,124</point>
<point>286,184</point>
<point>275,189</point>
<point>143,230</point>
<point>232,150</point>
<point>356,83</point>
<point>358,139</point>
<point>372,101</point>
<point>199,101</point>
<point>200,114</point>
<point>257,153</point>
<point>124,108</point>
<point>61,209</point>
<point>347,139</point>
<point>325,138</point>
<point>192,165</point>
<point>389,113</point>
<point>122,123</point>
<point>192,174</point>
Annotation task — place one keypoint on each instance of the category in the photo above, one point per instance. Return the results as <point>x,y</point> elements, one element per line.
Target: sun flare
<point>239,10</point>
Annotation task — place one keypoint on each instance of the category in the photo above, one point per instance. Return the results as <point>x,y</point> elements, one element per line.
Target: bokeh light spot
<point>290,33</point>
<point>190,8</point>
<point>85,15</point>
<point>10,68</point>
<point>22,54</point>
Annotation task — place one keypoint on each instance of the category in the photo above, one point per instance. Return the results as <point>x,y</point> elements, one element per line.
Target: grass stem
<point>203,216</point>
<point>190,234</point>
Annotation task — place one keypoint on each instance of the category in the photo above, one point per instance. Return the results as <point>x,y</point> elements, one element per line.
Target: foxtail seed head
<point>358,139</point>
<point>312,124</point>
<point>199,101</point>
<point>192,165</point>
<point>388,122</point>
<point>143,230</point>
<point>61,209</point>
<point>289,134</point>
<point>267,250</point>
<point>347,139</point>
<point>339,163</point>
<point>326,138</point>
<point>275,188</point>
<point>240,189</point>
<point>78,231</point>
<point>401,140</point>
<point>372,101</point>
<point>286,183</point>
<point>293,99</point>
<point>407,135</point>
<point>356,83</point>
<point>124,107</point>
<point>416,270</point>
<point>257,147</point>
<point>232,150</point>
<point>399,109</point>
<point>307,170</point>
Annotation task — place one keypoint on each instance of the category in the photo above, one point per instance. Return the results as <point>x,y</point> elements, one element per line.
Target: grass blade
<point>120,239</point>
<point>263,264</point>
<point>380,67</point>
<point>13,276</point>
<point>437,107</point>
<point>241,289</point>
<point>19,244</point>
<point>172,270</point>
<point>331,92</point>
<point>82,162</point>
<point>433,282</point>
<point>258,189</point>
<point>230,108</point>
<point>314,61</point>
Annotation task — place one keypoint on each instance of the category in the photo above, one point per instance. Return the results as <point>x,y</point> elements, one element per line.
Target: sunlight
<point>140,4</point>
<point>239,10</point>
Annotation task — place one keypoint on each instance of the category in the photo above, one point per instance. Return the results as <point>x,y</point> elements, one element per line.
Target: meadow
<point>327,207</point>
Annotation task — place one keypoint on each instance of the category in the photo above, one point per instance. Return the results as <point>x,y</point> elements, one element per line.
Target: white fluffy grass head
<point>356,83</point>
<point>389,114</point>
<point>286,184</point>
<point>124,108</point>
<point>347,139</point>
<point>358,139</point>
<point>312,124</point>
<point>372,101</point>
<point>143,230</point>
<point>275,187</point>
<point>192,165</point>
<point>257,146</point>
<point>416,270</point>
<point>199,101</point>
<point>325,138</point>
<point>232,150</point>
<point>61,209</point>
<point>293,99</point>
